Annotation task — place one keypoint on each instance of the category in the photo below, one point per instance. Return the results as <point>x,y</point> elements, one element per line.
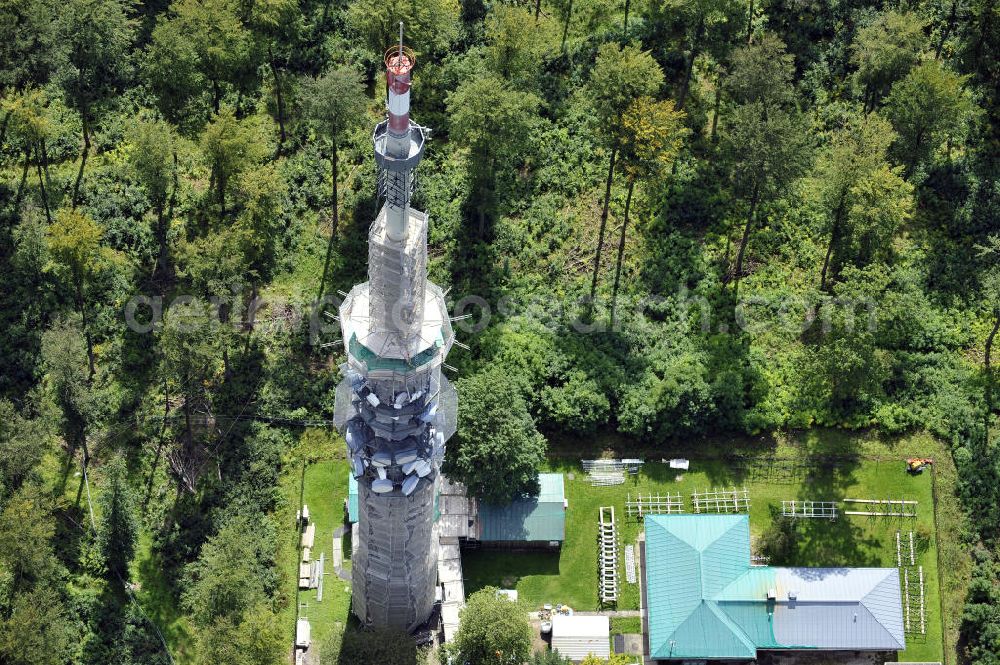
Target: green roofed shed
<point>532,519</point>
<point>352,498</point>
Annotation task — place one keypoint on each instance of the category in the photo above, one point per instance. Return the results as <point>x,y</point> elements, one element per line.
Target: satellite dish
<point>406,456</point>
<point>410,484</point>
<point>429,413</point>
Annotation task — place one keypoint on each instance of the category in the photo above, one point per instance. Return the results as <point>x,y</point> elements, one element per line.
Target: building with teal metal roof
<point>537,519</point>
<point>533,519</point>
<point>705,601</point>
<point>352,498</point>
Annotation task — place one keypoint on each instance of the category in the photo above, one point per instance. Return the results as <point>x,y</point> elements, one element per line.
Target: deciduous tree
<point>190,344</point>
<point>202,35</point>
<point>707,23</point>
<point>517,45</point>
<point>27,116</point>
<point>257,638</point>
<point>26,38</point>
<point>884,51</point>
<point>854,152</point>
<point>39,630</point>
<point>494,121</point>
<point>64,361</point>
<point>234,572</point>
<point>493,630</point>
<point>23,442</point>
<point>26,532</point>
<point>74,242</point>
<point>275,24</point>
<point>92,40</point>
<point>230,147</point>
<point>927,107</point>
<point>333,105</point>
<point>620,75</point>
<point>262,194</point>
<point>498,451</point>
<point>652,136</point>
<point>991,296</point>
<point>171,68</point>
<point>152,155</point>
<point>430,25</point>
<point>765,138</point>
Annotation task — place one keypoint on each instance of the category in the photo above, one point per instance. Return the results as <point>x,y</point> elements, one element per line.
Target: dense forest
<point>669,219</point>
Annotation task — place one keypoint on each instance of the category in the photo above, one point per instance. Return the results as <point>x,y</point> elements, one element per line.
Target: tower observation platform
<point>394,407</point>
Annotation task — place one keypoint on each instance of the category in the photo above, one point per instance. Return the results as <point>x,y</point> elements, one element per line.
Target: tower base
<point>395,566</point>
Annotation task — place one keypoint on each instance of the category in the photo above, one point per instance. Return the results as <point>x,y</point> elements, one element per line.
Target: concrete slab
<point>454,592</point>
<point>449,570</point>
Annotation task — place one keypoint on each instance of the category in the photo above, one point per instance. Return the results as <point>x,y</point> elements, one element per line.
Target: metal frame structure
<point>608,560</point>
<point>884,508</point>
<point>653,505</point>
<point>722,501</point>
<point>607,478</point>
<point>394,407</point>
<point>899,551</point>
<point>608,472</point>
<point>599,465</point>
<point>809,509</point>
<point>914,601</point>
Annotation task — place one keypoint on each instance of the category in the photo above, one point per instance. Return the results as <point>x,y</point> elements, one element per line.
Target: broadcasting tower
<point>394,407</point>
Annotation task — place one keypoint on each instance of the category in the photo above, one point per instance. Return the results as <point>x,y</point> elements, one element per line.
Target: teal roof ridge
<point>734,628</point>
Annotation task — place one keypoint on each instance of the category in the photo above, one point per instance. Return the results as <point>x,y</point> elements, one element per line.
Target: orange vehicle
<point>918,464</point>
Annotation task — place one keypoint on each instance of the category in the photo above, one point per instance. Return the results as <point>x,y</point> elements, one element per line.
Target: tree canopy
<point>707,224</point>
<point>493,630</point>
<point>498,451</point>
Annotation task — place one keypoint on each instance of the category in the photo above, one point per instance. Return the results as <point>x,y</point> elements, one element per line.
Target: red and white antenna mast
<point>399,63</point>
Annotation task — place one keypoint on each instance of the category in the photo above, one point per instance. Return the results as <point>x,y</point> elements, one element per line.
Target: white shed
<point>303,634</point>
<point>575,637</point>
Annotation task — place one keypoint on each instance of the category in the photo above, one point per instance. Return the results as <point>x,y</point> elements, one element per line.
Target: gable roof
<point>528,519</point>
<point>705,600</point>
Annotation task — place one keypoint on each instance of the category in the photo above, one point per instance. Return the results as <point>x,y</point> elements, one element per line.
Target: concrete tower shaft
<point>395,408</point>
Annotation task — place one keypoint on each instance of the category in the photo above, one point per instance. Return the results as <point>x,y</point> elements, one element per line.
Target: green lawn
<point>571,575</point>
<point>324,491</point>
<point>623,625</point>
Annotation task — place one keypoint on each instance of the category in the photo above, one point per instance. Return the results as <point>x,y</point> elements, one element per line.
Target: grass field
<point>323,488</point>
<point>571,575</point>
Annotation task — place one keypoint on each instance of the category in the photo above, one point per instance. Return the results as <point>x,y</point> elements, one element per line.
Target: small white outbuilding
<point>575,637</point>
<point>303,634</point>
